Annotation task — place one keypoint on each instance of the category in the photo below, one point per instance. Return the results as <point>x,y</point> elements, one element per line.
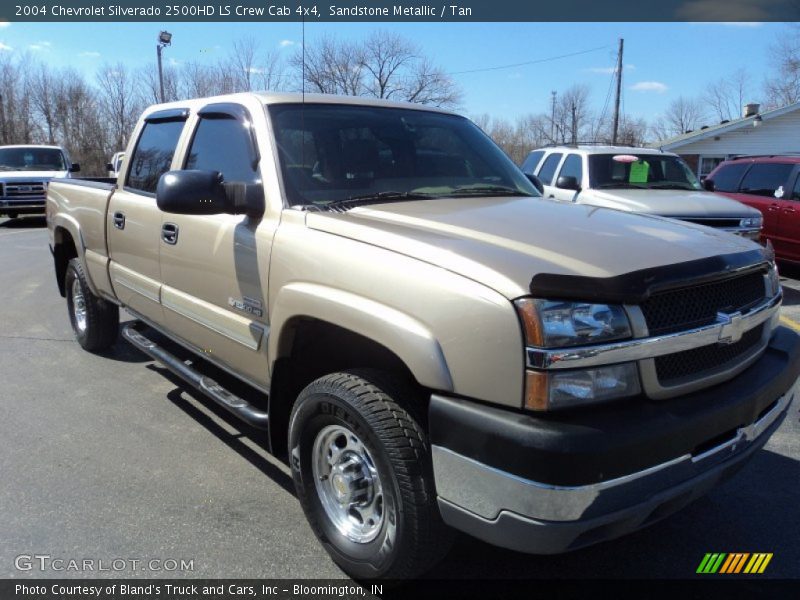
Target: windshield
<point>31,159</point>
<point>333,153</point>
<point>646,171</point>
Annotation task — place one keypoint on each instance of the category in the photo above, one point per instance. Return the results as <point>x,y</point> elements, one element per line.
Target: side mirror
<point>191,192</point>
<point>537,183</point>
<point>708,184</point>
<point>74,168</point>
<point>568,182</point>
<point>109,167</point>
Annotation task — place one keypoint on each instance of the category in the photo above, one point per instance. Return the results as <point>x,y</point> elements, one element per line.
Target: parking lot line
<point>790,323</point>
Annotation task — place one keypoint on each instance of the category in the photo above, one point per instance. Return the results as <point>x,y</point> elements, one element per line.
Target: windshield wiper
<point>619,185</point>
<point>377,197</point>
<point>671,186</point>
<point>494,190</point>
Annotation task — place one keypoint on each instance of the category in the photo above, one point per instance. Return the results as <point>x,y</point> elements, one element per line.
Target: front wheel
<point>362,469</point>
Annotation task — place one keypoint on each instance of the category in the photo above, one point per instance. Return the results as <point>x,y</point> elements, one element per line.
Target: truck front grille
<point>726,223</point>
<point>673,368</point>
<point>25,189</point>
<point>687,308</point>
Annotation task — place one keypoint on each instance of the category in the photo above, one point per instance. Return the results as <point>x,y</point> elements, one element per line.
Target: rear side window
<point>728,177</point>
<point>549,168</point>
<point>530,164</point>
<point>153,154</point>
<point>573,167</point>
<point>764,178</point>
<point>223,144</point>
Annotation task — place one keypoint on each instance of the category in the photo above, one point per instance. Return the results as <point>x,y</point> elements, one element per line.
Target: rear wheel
<point>95,321</point>
<point>362,469</point>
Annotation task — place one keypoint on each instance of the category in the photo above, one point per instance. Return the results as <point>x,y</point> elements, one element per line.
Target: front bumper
<point>553,483</point>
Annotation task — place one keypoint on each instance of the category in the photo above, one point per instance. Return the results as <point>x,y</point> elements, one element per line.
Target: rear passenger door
<point>547,172</point>
<point>788,233</point>
<point>215,268</point>
<point>134,220</point>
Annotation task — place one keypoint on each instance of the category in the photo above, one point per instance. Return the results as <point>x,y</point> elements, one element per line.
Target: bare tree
<point>726,96</point>
<point>119,103</point>
<point>681,116</point>
<point>783,86</point>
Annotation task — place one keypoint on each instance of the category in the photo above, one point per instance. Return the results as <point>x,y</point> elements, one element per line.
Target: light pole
<point>164,40</point>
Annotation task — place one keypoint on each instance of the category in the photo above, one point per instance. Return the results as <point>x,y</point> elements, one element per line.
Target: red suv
<point>770,184</point>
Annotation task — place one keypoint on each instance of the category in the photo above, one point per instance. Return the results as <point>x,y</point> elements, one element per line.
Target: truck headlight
<point>562,324</point>
<point>553,390</point>
<point>773,280</point>
<point>559,324</point>
<point>752,222</point>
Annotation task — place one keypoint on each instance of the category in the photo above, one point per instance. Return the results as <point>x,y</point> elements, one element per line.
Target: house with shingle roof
<point>755,133</point>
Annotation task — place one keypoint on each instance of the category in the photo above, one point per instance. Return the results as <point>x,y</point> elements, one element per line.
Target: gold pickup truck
<point>441,348</point>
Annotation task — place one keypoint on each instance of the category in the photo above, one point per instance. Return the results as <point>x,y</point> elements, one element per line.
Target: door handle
<point>773,207</point>
<point>169,233</point>
<point>119,220</point>
<point>788,210</point>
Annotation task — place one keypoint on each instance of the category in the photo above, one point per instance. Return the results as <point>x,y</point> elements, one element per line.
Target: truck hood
<point>669,203</point>
<point>31,175</point>
<point>504,242</point>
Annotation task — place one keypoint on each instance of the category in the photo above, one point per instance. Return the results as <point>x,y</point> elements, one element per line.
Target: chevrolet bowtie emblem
<point>732,327</point>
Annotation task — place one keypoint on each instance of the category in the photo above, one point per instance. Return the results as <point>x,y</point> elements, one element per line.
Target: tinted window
<point>331,153</point>
<point>645,171</point>
<point>153,154</point>
<point>31,159</point>
<point>549,168</point>
<point>530,164</point>
<point>572,167</point>
<point>796,190</point>
<point>764,178</point>
<point>224,145</point>
<point>728,177</point>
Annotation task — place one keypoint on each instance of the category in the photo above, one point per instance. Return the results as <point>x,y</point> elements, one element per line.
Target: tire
<point>382,468</point>
<point>95,321</point>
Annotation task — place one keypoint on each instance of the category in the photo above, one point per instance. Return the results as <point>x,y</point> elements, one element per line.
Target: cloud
<point>649,86</point>
<point>286,43</point>
<point>40,46</point>
<point>4,24</point>
<point>722,11</point>
<point>254,70</point>
<point>89,54</point>
<point>173,62</point>
<point>5,47</point>
<point>609,70</point>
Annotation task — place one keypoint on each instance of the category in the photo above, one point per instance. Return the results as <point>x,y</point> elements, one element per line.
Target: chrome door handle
<point>119,220</point>
<point>169,233</point>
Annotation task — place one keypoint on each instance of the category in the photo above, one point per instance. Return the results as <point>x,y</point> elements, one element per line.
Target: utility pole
<point>164,40</point>
<point>553,118</point>
<point>574,124</point>
<point>619,91</point>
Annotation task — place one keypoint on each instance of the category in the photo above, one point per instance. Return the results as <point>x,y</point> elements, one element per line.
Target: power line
<point>530,62</point>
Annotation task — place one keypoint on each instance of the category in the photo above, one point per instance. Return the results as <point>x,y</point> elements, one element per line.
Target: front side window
<point>32,159</point>
<point>223,144</point>
<point>572,167</point>
<point>645,171</point>
<point>332,153</point>
<point>549,168</point>
<point>765,179</point>
<point>152,156</point>
<point>728,177</point>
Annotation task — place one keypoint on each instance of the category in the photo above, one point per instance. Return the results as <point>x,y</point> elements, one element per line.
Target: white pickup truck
<point>25,171</point>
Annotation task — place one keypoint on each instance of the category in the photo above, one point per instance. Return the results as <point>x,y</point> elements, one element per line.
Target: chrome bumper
<point>527,515</point>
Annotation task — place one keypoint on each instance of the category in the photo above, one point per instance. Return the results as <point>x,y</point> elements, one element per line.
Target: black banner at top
<point>377,11</point>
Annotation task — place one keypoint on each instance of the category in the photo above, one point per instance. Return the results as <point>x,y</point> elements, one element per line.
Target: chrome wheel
<point>347,483</point>
<point>78,306</point>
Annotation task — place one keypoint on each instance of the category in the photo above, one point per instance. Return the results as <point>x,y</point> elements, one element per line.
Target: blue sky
<point>663,60</point>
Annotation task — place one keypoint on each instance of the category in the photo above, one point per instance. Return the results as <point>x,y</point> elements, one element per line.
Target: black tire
<point>411,537</point>
<point>99,327</point>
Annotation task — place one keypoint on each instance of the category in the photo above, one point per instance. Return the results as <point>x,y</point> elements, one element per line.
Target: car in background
<point>115,164</point>
<point>25,172</point>
<point>642,180</point>
<point>770,184</point>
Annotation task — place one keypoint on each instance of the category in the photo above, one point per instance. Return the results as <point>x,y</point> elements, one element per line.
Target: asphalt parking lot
<point>107,457</point>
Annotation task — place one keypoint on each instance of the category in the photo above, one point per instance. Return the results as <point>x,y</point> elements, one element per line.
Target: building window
<point>706,164</point>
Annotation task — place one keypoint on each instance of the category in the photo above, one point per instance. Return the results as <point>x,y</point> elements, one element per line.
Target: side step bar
<point>227,400</point>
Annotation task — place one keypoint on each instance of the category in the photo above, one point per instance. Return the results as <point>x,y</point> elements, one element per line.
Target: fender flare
<point>397,331</point>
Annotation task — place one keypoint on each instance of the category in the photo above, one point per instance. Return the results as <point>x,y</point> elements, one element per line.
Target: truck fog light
<point>553,390</point>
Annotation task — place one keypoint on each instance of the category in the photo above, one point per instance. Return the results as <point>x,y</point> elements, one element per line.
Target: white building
<point>771,132</point>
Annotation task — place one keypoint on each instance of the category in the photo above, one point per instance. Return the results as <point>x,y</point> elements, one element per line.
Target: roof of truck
<point>600,149</point>
<point>32,146</point>
<point>296,98</point>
